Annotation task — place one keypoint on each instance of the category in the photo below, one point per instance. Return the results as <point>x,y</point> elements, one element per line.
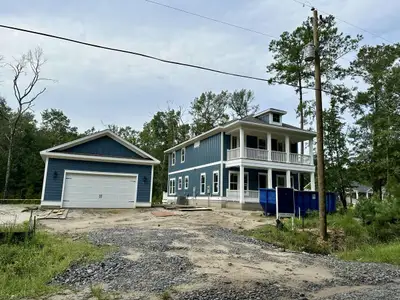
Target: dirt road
<point>199,255</point>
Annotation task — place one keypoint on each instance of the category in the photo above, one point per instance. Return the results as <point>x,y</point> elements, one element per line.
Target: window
<point>172,186</point>
<point>276,118</point>
<point>234,142</point>
<point>281,180</point>
<point>234,181</point>
<point>179,183</point>
<point>186,182</point>
<point>215,182</point>
<point>183,155</point>
<point>292,182</point>
<point>262,144</point>
<point>281,146</point>
<point>173,158</point>
<point>203,183</point>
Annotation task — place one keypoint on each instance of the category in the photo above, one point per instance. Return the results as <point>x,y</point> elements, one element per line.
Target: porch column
<point>241,142</point>
<point>312,177</point>
<point>311,151</point>
<point>299,187</point>
<point>241,184</point>
<point>269,147</point>
<point>287,148</point>
<point>288,185</point>
<point>270,178</point>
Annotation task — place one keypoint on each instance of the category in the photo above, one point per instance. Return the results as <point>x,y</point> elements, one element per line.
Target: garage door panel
<point>99,191</point>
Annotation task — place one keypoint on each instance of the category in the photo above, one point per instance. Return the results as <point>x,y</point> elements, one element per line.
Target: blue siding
<point>194,181</point>
<point>209,151</point>
<point>54,184</point>
<point>104,146</point>
<point>227,145</point>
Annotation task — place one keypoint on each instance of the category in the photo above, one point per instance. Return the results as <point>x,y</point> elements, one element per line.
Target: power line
<point>344,21</point>
<point>212,19</point>
<point>151,57</point>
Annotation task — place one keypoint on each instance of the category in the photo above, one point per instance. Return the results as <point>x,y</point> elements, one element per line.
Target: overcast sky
<point>96,87</point>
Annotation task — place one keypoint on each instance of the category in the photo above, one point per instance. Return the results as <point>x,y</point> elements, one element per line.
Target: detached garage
<point>97,171</point>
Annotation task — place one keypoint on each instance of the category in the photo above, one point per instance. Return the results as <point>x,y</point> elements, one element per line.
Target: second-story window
<point>262,144</point>
<point>276,118</point>
<point>183,155</point>
<point>234,142</point>
<point>173,158</point>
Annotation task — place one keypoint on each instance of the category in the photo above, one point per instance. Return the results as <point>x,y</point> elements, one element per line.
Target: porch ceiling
<point>279,135</point>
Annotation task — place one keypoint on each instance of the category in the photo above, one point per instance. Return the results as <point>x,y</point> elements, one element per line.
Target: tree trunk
<point>8,170</point>
<point>343,199</point>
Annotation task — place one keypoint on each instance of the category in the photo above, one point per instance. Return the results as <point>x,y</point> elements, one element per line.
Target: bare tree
<point>29,64</point>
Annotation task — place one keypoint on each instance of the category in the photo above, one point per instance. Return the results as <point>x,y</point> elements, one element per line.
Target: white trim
<point>284,180</point>
<point>270,110</point>
<point>266,177</point>
<point>269,164</point>
<point>205,183</point>
<point>169,186</point>
<point>173,158</point>
<point>97,135</point>
<point>184,182</point>
<point>151,184</point>
<point>50,203</point>
<point>217,192</point>
<point>180,180</point>
<point>143,204</point>
<point>102,174</point>
<point>221,178</point>
<point>194,168</point>
<point>99,158</point>
<point>183,150</point>
<point>44,179</point>
<point>238,183</point>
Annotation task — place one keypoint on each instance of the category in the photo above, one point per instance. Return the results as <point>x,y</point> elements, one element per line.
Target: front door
<point>262,180</point>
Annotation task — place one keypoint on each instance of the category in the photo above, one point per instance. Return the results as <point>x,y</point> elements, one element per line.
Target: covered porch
<point>275,146</point>
<point>243,183</point>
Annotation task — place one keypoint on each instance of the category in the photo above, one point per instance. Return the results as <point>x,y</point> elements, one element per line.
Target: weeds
<point>27,268</point>
<point>99,293</point>
<point>166,296</point>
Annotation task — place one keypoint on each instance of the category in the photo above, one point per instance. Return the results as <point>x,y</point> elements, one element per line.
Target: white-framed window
<point>186,182</point>
<point>234,181</point>
<point>280,146</point>
<point>292,182</point>
<point>276,118</point>
<point>215,182</point>
<point>173,158</point>
<point>262,144</point>
<point>202,183</point>
<point>234,142</point>
<point>172,182</point>
<point>179,183</point>
<point>183,155</point>
<point>281,180</point>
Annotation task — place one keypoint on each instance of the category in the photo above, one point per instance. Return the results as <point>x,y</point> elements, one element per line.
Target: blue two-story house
<point>230,163</point>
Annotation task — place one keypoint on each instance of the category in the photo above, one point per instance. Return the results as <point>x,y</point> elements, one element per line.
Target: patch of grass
<point>166,296</point>
<point>382,253</point>
<point>294,240</point>
<point>27,268</point>
<point>99,293</point>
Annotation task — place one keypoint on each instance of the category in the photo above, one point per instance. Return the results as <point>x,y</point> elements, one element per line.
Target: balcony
<point>276,156</point>
<point>250,196</point>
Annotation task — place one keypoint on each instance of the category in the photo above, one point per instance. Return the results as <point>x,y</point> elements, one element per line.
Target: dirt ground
<point>214,258</point>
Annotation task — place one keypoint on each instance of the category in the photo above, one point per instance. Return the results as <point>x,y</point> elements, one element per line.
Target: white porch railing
<point>259,154</point>
<point>278,156</point>
<point>300,159</point>
<point>262,154</point>
<point>233,153</point>
<point>249,196</point>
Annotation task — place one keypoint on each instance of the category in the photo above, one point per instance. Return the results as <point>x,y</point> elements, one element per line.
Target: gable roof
<point>249,120</point>
<point>147,158</point>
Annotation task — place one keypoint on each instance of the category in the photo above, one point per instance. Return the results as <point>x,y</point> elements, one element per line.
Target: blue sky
<point>95,87</point>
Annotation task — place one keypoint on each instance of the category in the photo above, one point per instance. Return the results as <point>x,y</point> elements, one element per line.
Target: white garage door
<point>105,190</point>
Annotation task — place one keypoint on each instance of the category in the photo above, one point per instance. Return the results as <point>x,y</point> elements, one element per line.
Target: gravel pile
<point>250,292</point>
<point>150,273</point>
<point>389,291</point>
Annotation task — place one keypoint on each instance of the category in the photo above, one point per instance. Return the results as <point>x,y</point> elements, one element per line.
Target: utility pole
<point>320,132</point>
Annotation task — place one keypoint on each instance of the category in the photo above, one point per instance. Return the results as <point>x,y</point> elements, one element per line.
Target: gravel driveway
<point>191,257</point>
